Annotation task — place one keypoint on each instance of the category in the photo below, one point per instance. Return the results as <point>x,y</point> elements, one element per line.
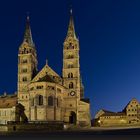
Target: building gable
<point>47,72</point>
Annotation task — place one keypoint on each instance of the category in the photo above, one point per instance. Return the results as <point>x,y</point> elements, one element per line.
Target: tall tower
<point>27,67</point>
<point>71,66</point>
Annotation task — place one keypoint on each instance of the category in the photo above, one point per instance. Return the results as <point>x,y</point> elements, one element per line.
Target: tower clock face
<point>72,93</point>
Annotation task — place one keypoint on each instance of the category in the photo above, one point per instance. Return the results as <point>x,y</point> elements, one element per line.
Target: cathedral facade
<point>45,95</point>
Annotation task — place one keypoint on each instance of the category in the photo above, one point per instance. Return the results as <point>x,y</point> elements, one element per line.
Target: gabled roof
<point>46,78</point>
<point>47,74</point>
<point>113,114</point>
<point>86,100</point>
<point>124,110</point>
<point>106,111</point>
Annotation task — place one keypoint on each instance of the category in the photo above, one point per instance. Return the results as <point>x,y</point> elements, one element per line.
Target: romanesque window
<point>50,87</point>
<point>70,75</point>
<point>70,65</point>
<point>39,87</point>
<point>24,79</point>
<point>71,85</point>
<point>24,70</point>
<point>40,100</point>
<point>70,56</point>
<point>70,46</point>
<point>50,101</point>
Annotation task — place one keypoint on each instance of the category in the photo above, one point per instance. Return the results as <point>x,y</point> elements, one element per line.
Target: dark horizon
<point>109,34</point>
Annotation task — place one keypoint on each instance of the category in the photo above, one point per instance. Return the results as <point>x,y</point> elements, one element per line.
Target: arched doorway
<point>72,118</point>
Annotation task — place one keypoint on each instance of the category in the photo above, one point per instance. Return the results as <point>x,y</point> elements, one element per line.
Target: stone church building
<point>46,95</point>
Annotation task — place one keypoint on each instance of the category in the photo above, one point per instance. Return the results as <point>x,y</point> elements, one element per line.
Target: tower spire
<point>28,34</point>
<point>71,29</point>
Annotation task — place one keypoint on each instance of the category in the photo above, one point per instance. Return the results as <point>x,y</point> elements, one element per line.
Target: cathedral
<point>46,95</point>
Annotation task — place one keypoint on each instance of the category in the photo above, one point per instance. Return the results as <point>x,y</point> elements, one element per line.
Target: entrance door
<point>72,118</point>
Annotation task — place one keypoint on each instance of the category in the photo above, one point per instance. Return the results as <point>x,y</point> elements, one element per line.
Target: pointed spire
<point>71,29</point>
<point>28,34</point>
<point>46,61</point>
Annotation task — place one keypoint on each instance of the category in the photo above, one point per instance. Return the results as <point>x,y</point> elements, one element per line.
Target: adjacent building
<point>130,115</point>
<point>10,109</point>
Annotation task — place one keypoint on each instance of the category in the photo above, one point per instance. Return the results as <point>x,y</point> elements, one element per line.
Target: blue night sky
<point>109,34</point>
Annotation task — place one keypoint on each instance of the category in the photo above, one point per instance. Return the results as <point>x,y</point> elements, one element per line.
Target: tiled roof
<point>8,101</point>
<point>113,114</point>
<point>46,78</point>
<point>86,100</point>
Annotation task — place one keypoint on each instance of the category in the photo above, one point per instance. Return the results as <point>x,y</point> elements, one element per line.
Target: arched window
<point>24,79</point>
<point>24,70</point>
<point>40,100</point>
<point>50,101</point>
<point>70,65</point>
<point>71,46</point>
<point>70,56</point>
<point>70,75</point>
<point>71,85</point>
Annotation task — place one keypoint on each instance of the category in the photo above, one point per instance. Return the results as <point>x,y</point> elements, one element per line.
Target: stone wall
<point>3,128</point>
<point>46,126</point>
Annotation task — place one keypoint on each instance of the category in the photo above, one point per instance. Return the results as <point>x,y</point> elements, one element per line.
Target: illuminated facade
<point>10,109</point>
<point>129,116</point>
<point>46,95</point>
